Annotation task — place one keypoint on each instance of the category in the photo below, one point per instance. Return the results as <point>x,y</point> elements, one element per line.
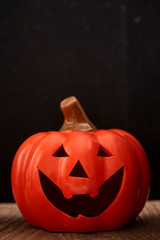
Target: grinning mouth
<point>82,203</point>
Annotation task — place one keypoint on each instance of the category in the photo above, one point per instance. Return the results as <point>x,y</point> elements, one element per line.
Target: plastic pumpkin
<point>80,179</point>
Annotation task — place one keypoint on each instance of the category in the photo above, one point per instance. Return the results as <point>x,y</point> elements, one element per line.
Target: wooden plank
<point>146,226</point>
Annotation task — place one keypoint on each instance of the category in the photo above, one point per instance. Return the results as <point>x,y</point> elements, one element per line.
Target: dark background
<point>106,53</point>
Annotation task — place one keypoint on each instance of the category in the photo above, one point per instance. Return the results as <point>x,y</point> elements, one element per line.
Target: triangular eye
<point>61,152</point>
<point>102,153</point>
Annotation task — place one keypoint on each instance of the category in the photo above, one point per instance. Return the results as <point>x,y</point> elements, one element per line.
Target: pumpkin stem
<point>75,117</point>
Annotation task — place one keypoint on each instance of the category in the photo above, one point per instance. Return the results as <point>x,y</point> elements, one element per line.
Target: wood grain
<point>146,226</point>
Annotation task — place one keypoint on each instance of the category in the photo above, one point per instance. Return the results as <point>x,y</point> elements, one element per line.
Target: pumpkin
<point>80,179</point>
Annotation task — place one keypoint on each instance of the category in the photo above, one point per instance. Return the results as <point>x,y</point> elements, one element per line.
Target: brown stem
<point>74,116</point>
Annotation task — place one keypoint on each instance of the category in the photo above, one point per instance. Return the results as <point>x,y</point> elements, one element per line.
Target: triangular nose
<point>78,171</point>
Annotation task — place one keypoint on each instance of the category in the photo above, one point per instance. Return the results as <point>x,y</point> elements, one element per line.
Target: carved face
<point>81,182</point>
<point>78,181</point>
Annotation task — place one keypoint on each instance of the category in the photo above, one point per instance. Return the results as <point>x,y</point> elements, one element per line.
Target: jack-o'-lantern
<point>80,179</point>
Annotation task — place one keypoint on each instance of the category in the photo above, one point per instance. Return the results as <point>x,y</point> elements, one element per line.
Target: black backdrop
<point>106,53</point>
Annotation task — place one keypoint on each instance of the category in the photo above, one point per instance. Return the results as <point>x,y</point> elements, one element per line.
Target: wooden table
<point>146,226</point>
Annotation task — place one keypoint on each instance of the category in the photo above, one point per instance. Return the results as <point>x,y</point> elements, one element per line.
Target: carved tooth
<point>68,195</point>
<point>94,194</point>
